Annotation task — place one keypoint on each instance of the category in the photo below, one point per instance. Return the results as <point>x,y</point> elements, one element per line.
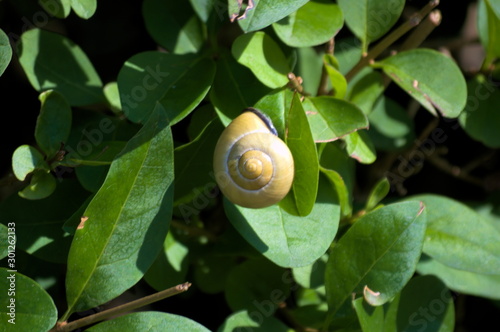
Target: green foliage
<point>115,192</point>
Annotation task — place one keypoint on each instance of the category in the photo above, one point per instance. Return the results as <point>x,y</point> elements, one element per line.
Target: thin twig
<point>66,327</point>
<point>454,170</point>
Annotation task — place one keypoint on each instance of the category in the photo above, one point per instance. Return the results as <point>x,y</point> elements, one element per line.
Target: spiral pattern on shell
<point>253,167</point>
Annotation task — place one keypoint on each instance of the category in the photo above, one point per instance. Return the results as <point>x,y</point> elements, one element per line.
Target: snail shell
<point>253,167</point>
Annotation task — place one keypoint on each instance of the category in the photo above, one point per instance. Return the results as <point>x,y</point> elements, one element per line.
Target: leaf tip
<point>371,296</point>
<point>421,209</point>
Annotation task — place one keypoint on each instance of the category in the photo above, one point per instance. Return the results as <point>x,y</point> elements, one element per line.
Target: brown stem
<point>454,170</point>
<point>384,44</point>
<point>417,37</point>
<point>65,327</point>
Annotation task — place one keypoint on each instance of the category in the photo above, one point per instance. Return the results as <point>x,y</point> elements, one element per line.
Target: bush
<point>111,203</point>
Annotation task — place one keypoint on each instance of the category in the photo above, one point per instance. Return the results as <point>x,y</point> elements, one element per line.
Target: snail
<point>253,167</point>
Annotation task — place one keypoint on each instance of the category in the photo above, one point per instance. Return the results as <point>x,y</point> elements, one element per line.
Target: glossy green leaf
<point>84,8</point>
<point>311,276</point>
<point>378,193</point>
<point>234,89</point>
<point>425,304</point>
<point>276,105</point>
<point>18,313</point>
<point>415,72</point>
<point>480,117</point>
<point>257,284</point>
<point>300,200</point>
<point>171,265</point>
<point>25,160</point>
<point>252,321</point>
<point>459,237</point>
<point>377,255</point>
<point>52,61</point>
<point>40,234</point>
<point>331,118</point>
<point>370,318</point>
<point>174,25</point>
<point>339,168</point>
<point>337,80</point>
<point>348,52</point>
<point>149,321</point>
<point>371,19</point>
<point>266,12</point>
<point>365,89</point>
<point>262,55</point>
<point>285,239</point>
<point>390,126</point>
<point>5,51</point>
<point>91,177</point>
<point>113,96</point>
<point>488,21</point>
<point>177,82</point>
<point>314,23</point>
<point>54,122</point>
<point>463,282</point>
<point>42,184</point>
<point>126,224</point>
<point>57,8</point>
<point>360,147</point>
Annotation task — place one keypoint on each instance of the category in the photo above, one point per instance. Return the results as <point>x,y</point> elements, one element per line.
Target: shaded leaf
<point>84,8</point>
<point>243,320</point>
<point>360,147</point>
<point>126,224</point>
<point>5,51</point>
<point>25,160</point>
<point>42,184</point>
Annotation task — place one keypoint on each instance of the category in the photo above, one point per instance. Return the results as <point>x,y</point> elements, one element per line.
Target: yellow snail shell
<point>253,166</point>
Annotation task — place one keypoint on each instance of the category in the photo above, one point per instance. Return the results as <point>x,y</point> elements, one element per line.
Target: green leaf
<point>57,8</point>
<point>5,51</point>
<point>276,104</point>
<point>415,71</point>
<point>234,89</point>
<point>459,237</point>
<point>193,157</point>
<point>370,318</point>
<point>260,53</point>
<point>348,52</point>
<point>25,160</point>
<point>149,321</point>
<point>285,239</point>
<point>377,194</point>
<point>339,169</point>
<point>53,124</point>
<point>7,237</point>
<point>211,271</point>
<point>371,19</point>
<point>113,96</point>
<point>42,185</point>
<point>52,61</point>
<point>171,265</point>
<point>253,321</point>
<point>40,234</point>
<point>331,118</point>
<point>464,282</point>
<point>338,81</point>
<point>126,224</point>
<point>300,200</point>
<point>377,255</point>
<point>365,89</point>
<point>203,8</point>
<point>360,147</point>
<point>266,12</point>
<point>19,312</point>
<point>177,82</point>
<point>101,154</point>
<point>174,25</point>
<point>425,304</point>
<point>310,67</point>
<point>480,117</point>
<point>390,126</point>
<point>488,21</point>
<point>84,8</point>
<point>311,276</point>
<point>314,23</point>
<point>242,292</point>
